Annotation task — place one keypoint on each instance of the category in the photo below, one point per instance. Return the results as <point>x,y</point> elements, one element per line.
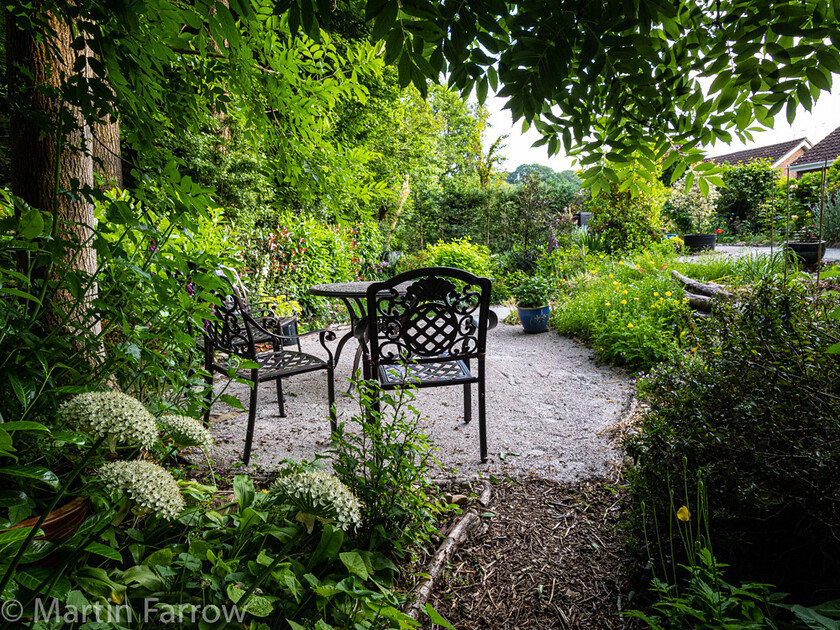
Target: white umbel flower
<point>186,431</point>
<point>151,488</point>
<point>319,496</point>
<point>119,416</point>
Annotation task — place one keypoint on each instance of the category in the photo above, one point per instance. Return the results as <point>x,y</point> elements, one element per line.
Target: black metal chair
<point>240,332</point>
<point>428,334</point>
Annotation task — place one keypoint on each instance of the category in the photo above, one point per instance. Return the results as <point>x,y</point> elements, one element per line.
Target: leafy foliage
<point>385,460</point>
<point>745,188</point>
<point>753,406</point>
<point>691,209</point>
<point>460,254</point>
<point>627,223</point>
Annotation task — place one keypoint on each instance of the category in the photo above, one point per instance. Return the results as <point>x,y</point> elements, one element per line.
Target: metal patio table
<point>354,296</point>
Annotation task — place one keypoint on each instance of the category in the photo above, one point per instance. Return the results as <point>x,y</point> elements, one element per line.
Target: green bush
<point>754,406</point>
<point>534,292</point>
<point>385,460</point>
<point>691,210</point>
<point>460,254</point>
<point>746,187</point>
<point>830,217</point>
<point>627,223</point>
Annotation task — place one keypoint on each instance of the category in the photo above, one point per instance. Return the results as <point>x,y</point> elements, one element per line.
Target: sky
<point>815,125</point>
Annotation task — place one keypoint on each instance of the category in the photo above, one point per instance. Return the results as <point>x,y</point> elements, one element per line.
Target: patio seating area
<point>548,404</point>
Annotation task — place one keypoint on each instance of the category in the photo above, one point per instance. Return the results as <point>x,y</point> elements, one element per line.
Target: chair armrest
<point>324,335</point>
<point>492,320</point>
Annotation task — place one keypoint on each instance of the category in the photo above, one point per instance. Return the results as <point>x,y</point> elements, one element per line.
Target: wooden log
<point>470,521</point>
<point>699,302</point>
<point>708,289</point>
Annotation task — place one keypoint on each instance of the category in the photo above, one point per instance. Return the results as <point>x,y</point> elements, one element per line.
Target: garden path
<point>548,406</point>
<point>832,254</point>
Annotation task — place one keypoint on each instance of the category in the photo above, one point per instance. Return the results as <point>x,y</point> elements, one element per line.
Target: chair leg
<point>467,398</point>
<point>252,416</point>
<point>482,422</point>
<point>331,396</point>
<point>281,400</point>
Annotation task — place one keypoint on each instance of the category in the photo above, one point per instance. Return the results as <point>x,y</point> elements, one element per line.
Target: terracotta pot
<point>62,522</point>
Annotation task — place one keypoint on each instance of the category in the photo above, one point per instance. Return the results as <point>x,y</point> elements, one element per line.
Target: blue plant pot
<point>534,320</point>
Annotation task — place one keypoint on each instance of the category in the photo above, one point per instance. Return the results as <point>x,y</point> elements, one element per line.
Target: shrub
<point>753,405</point>
<point>830,217</point>
<point>300,251</point>
<point>746,186</point>
<point>693,209</point>
<point>384,461</point>
<point>461,254</point>
<point>627,223</point>
<point>633,313</point>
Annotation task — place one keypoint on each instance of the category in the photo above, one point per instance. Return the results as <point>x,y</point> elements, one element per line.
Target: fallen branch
<point>708,289</point>
<point>699,302</point>
<point>469,522</point>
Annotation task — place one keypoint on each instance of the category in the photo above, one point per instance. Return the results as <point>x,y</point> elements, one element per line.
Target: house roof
<point>826,149</point>
<point>774,152</point>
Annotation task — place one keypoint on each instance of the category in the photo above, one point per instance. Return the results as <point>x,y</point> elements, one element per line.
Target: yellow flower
<point>615,282</point>
<point>611,275</point>
<point>683,514</point>
<point>601,256</point>
<point>624,301</point>
<point>629,325</point>
<point>667,294</point>
<point>607,304</point>
<point>655,294</point>
<point>594,271</point>
<point>624,292</point>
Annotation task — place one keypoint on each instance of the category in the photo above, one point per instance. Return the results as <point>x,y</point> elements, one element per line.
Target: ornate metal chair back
<point>441,316</point>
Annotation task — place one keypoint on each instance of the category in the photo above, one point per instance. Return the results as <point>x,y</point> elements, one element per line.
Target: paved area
<point>832,254</point>
<point>548,402</point>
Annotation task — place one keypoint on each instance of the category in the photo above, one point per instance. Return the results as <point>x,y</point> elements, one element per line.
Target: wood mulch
<point>550,556</point>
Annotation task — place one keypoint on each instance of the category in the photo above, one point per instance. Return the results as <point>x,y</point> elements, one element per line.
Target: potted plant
<point>532,297</point>
<point>700,208</point>
<point>806,245</point>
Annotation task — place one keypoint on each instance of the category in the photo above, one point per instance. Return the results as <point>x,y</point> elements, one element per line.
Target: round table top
<point>349,289</point>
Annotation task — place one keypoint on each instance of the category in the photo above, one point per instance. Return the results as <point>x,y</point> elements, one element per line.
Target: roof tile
<point>772,152</point>
<point>826,149</point>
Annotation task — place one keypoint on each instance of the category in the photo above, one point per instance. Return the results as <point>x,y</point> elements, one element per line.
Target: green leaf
<point>12,538</point>
<point>104,550</point>
<point>33,577</point>
<point>39,473</point>
<point>23,425</point>
<point>243,490</point>
<point>436,617</point>
<point>161,557</point>
<point>31,224</point>
<point>328,547</point>
<point>354,563</point>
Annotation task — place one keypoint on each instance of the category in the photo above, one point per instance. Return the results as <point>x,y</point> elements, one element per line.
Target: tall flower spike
<point>119,416</point>
<point>186,431</point>
<point>151,489</point>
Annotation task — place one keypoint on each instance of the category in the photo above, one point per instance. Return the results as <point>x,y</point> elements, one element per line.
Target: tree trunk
<point>106,153</point>
<point>52,166</point>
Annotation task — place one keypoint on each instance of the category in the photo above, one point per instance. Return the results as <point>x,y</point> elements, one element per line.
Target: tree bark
<point>700,288</point>
<point>107,162</point>
<point>52,166</point>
